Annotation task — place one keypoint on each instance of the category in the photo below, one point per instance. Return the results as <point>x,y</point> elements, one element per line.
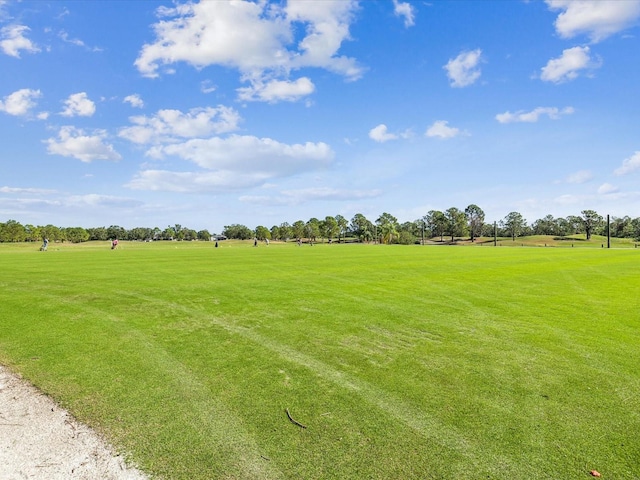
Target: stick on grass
<point>294,420</point>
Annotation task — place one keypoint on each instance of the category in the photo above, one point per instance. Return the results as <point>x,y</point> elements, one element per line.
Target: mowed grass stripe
<point>507,361</point>
<point>428,427</point>
<point>226,448</point>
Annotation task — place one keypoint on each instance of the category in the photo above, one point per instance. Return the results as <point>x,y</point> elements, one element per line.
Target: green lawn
<point>403,362</point>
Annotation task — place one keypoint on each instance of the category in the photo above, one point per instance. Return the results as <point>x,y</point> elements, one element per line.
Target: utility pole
<point>495,234</point>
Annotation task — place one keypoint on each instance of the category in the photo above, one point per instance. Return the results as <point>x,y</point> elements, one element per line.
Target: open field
<point>400,361</point>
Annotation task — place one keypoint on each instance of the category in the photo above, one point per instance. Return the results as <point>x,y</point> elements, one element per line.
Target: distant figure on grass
<point>255,242</point>
<point>266,240</point>
<point>216,243</point>
<point>45,244</point>
<point>114,244</point>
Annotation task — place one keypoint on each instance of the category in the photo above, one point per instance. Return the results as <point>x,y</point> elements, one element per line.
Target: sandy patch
<point>40,440</point>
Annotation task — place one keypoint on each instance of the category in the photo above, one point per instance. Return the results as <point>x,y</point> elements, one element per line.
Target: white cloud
<point>232,163</point>
<point>194,182</point>
<point>171,125</point>
<point>206,86</point>
<point>305,195</point>
<point>568,65</point>
<point>251,154</point>
<point>13,40</point>
<point>215,33</point>
<point>73,142</point>
<point>73,41</point>
<point>441,129</point>
<point>607,188</point>
<point>597,19</point>
<point>20,102</point>
<point>629,165</point>
<point>380,134</point>
<point>406,10</point>
<point>95,200</point>
<point>134,100</point>
<point>276,90</point>
<point>37,191</point>
<point>463,70</point>
<point>579,177</point>
<point>78,104</point>
<point>533,116</point>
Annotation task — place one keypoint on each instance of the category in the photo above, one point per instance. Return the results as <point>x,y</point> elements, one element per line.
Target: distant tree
<point>51,232</point>
<point>475,220</point>
<point>343,225</point>
<point>33,233</point>
<point>406,237</point>
<point>262,233</point>
<point>436,223</point>
<point>238,232</point>
<point>98,233</point>
<point>275,232</point>
<point>574,224</point>
<point>76,234</point>
<point>545,226</point>
<point>188,234</point>
<point>387,227</point>
<point>168,233</point>
<point>115,231</point>
<point>456,222</point>
<point>12,231</point>
<point>361,227</point>
<point>285,231</point>
<point>634,228</point>
<point>203,235</point>
<point>312,229</point>
<point>329,227</point>
<point>412,228</point>
<point>298,229</point>
<point>514,224</point>
<point>591,220</point>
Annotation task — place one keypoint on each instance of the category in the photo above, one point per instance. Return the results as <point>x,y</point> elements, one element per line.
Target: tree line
<point>450,224</point>
<point>13,231</point>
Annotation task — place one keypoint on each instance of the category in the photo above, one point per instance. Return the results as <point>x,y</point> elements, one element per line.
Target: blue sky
<point>155,113</point>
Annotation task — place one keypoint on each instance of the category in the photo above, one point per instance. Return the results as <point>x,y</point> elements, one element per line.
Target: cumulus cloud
<point>215,33</point>
<point>134,100</point>
<point>464,69</point>
<point>277,90</point>
<point>607,188</point>
<point>78,104</point>
<point>568,66</point>
<point>406,10</point>
<point>13,40</point>
<point>232,163</point>
<point>172,125</point>
<point>441,129</point>
<point>629,165</point>
<point>597,19</point>
<point>249,153</point>
<point>74,142</point>
<point>95,200</point>
<point>20,102</point>
<point>304,195</point>
<point>380,134</point>
<point>579,177</point>
<point>533,116</point>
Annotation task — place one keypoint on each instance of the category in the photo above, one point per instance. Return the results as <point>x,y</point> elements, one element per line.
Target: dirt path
<point>40,440</point>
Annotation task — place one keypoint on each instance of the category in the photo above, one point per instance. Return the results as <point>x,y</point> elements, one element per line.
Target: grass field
<point>403,362</point>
